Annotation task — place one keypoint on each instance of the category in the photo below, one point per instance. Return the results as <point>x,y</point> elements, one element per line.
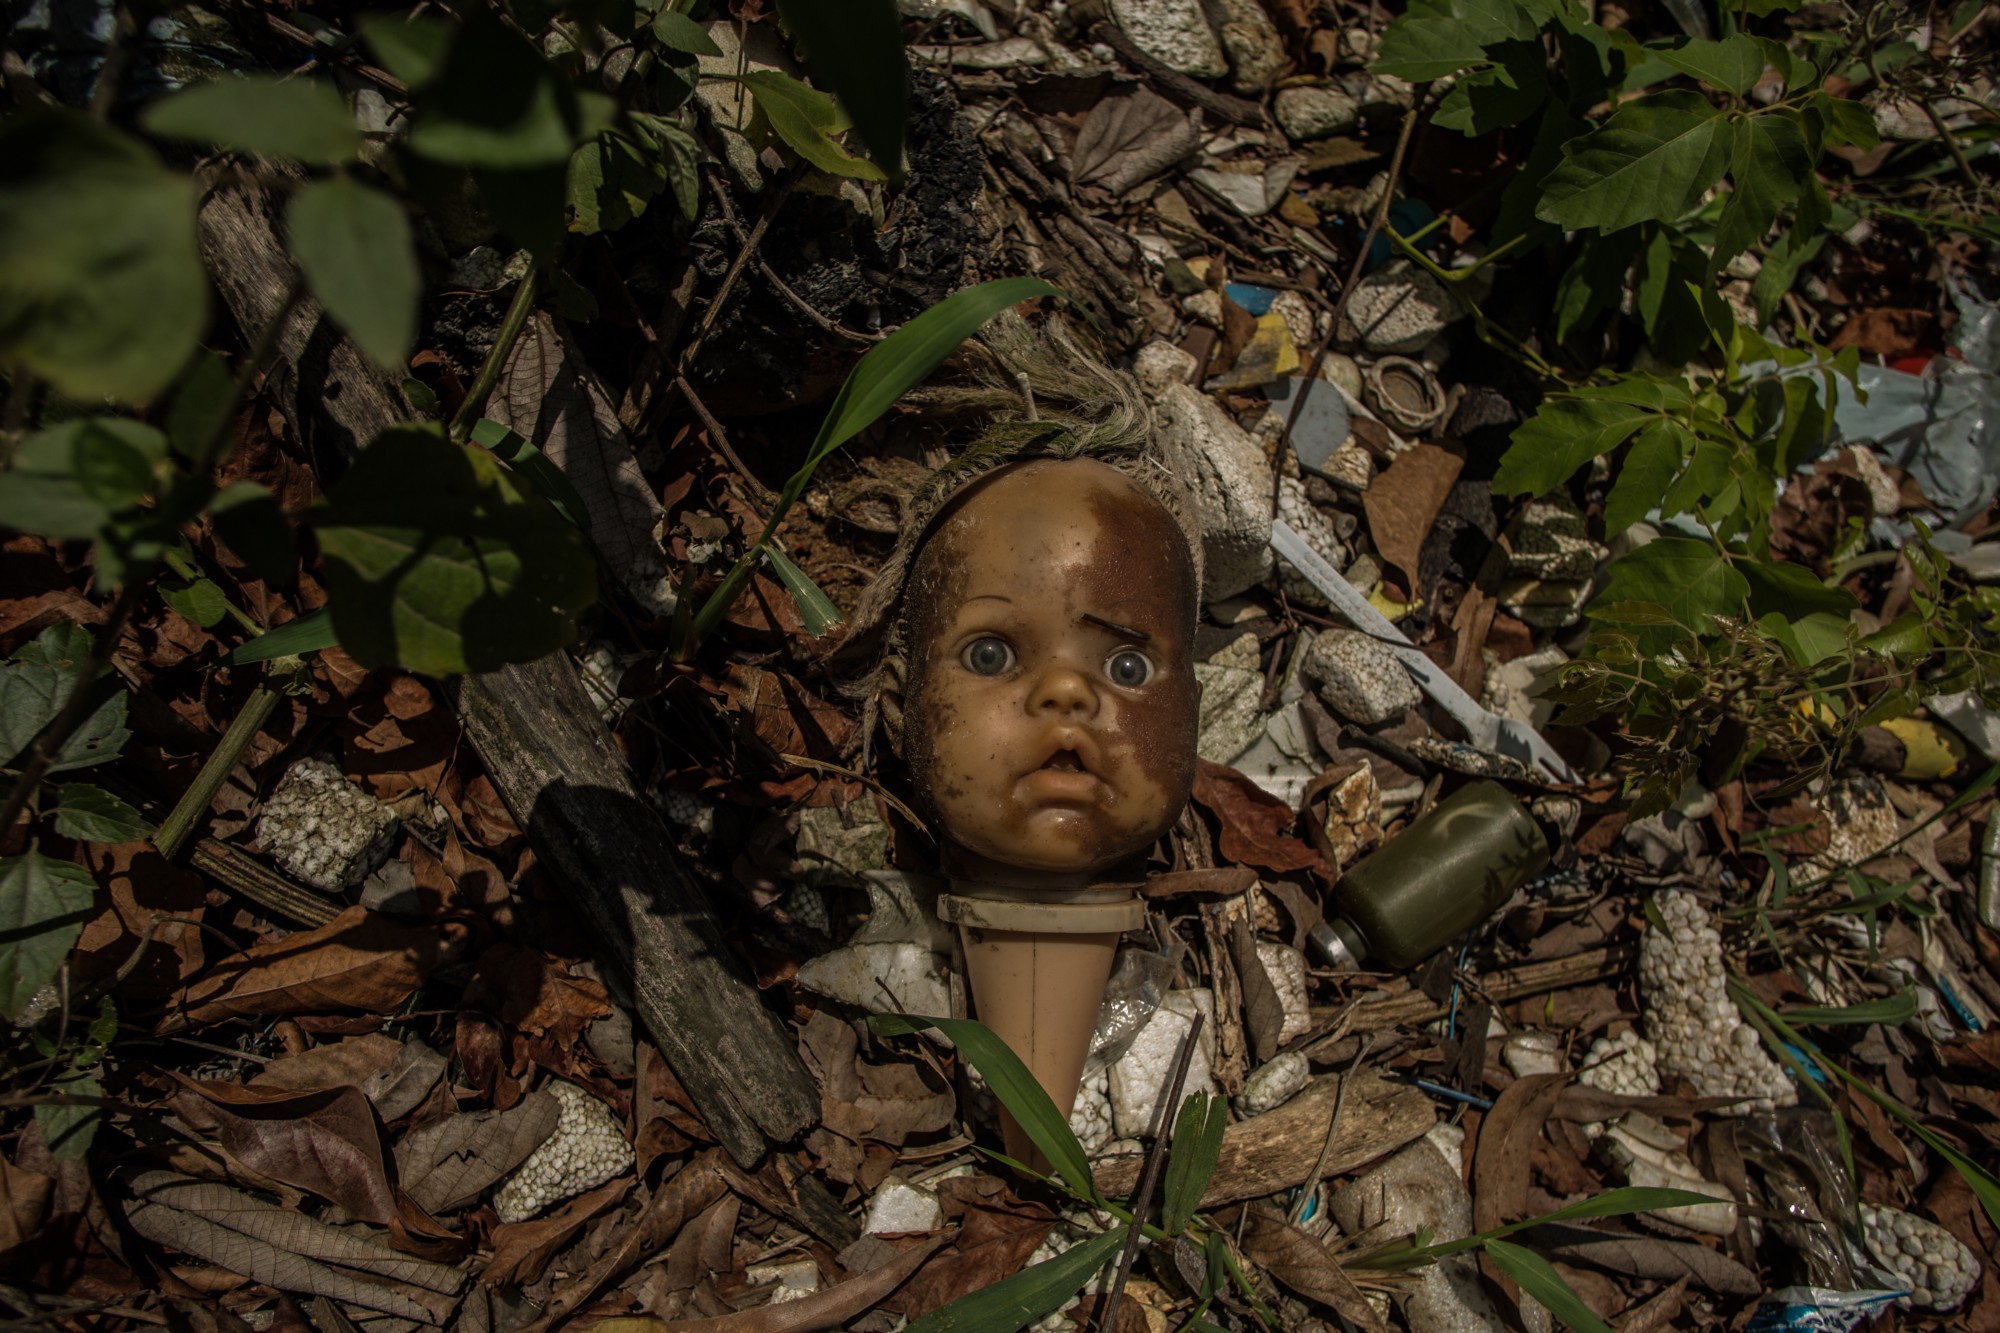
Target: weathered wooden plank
<point>548,753</point>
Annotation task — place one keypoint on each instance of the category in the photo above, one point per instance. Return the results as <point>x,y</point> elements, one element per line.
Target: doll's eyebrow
<point>1124,631</point>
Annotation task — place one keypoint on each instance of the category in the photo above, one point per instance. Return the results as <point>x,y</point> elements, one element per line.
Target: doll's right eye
<point>987,656</point>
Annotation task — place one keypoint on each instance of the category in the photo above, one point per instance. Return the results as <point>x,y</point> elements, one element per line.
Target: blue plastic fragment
<point>1257,300</point>
<point>1817,1310</point>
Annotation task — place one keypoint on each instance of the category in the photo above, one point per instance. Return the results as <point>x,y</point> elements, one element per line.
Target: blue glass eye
<point>987,656</point>
<point>1128,667</point>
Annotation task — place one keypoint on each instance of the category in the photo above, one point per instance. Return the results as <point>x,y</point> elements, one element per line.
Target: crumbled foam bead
<point>899,1206</point>
<point>1304,518</point>
<point>1533,1053</point>
<point>1397,308</point>
<point>324,830</point>
<point>1360,679</point>
<point>1694,1024</point>
<point>1139,1076</point>
<point>796,1280</point>
<point>1286,967</point>
<point>587,1149</point>
<point>1271,1085</point>
<point>1940,1271</point>
<point>1090,1118</point>
<point>1652,1156</point>
<point>1627,1064</point>
<point>1859,824</point>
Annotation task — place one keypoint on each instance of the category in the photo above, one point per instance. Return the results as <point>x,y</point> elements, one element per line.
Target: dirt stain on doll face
<point>1050,723</point>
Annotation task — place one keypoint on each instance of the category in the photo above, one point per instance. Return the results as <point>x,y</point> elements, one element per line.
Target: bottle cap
<point>1338,945</point>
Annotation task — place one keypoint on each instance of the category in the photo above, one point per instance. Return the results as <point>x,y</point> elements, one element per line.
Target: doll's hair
<point>1034,392</point>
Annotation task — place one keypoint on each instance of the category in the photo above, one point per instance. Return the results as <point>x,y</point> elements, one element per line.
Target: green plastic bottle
<point>1435,880</point>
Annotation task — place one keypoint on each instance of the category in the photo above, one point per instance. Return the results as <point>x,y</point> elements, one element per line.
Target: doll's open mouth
<point>1064,761</point>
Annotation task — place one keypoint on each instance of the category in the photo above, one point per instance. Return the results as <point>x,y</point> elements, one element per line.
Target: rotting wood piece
<point>1276,1150</point>
<point>547,751</point>
<point>565,782</point>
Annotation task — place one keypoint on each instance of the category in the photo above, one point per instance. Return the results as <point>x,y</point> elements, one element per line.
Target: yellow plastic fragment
<point>1929,751</point>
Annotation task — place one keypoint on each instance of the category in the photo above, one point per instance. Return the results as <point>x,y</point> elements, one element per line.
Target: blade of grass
<point>1032,1294</point>
<point>1539,1279</point>
<point>294,638</point>
<point>815,607</point>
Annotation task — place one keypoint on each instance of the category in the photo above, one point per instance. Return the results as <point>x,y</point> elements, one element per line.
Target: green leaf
<point>1651,161</point>
<point>902,360</point>
<point>1690,578</point>
<point>101,285</point>
<point>438,562</point>
<point>411,48</point>
<point>807,119</point>
<point>815,608</point>
<point>1594,282</point>
<point>68,1130</point>
<point>114,457</point>
<point>1654,459</point>
<point>497,103</point>
<point>1024,1098</point>
<point>42,493</point>
<point>548,481</point>
<point>610,182</point>
<point>1633,613</point>
<point>198,599</point>
<point>1808,640</point>
<point>677,32</point>
<point>1792,590</point>
<point>251,523</point>
<point>262,114</point>
<point>1560,438</point>
<point>295,638</point>
<point>1433,38</point>
<point>1197,1146</point>
<point>35,684</point>
<point>91,814</point>
<point>1768,168</point>
<point>1707,473</point>
<point>198,413</point>
<point>353,245</point>
<point>43,905</point>
<point>1539,1279</point>
<point>1029,1296</point>
<point>1504,94</point>
<point>1890,1011</point>
<point>682,156</point>
<point>1847,122</point>
<point>855,47</point>
<point>1733,64</point>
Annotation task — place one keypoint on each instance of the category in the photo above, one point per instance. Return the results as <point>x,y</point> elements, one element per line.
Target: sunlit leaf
<point>815,608</point>
<point>806,119</point>
<point>1652,160</point>
<point>1539,1279</point>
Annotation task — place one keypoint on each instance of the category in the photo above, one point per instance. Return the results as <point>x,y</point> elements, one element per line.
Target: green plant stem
<point>179,562</point>
<point>194,802</point>
<point>1149,1179</point>
<point>496,359</point>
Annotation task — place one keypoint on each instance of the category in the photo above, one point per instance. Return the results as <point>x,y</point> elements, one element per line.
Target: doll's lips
<point>1063,776</point>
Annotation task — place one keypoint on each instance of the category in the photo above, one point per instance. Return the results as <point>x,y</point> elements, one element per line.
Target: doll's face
<point>1050,721</point>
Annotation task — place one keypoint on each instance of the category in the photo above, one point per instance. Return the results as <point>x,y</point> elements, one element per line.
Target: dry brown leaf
<point>1128,137</point>
<point>826,1309</point>
<point>347,1063</point>
<point>24,1203</point>
<point>521,1250</point>
<point>1303,1264</point>
<point>358,960</point>
<point>1657,1313</point>
<point>996,1234</point>
<point>1647,1256</point>
<point>142,885</point>
<point>1403,501</point>
<point>1256,826</point>
<point>324,1141</point>
<point>287,1250</point>
<point>449,1164</point>
<point>1507,1139</point>
<point>551,398</point>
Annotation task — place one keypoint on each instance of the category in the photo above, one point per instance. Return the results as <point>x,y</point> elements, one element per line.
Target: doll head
<point>1032,637</point>
<point>1049,707</point>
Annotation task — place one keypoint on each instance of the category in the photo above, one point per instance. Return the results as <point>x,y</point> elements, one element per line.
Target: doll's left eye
<point>1128,667</point>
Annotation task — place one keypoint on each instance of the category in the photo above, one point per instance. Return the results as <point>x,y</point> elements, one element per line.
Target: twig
<point>805,307</point>
<point>1311,1184</point>
<point>1951,143</point>
<point>244,873</point>
<point>1149,1179</point>
<point>1235,110</point>
<point>496,358</point>
<point>761,495</point>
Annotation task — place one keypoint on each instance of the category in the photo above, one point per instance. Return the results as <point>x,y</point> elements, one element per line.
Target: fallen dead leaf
<point>1256,826</point>
<point>324,1142</point>
<point>142,885</point>
<point>521,1250</point>
<point>1507,1138</point>
<point>1403,501</point>
<point>347,1063</point>
<point>447,1165</point>
<point>1303,1264</point>
<point>358,960</point>
<point>1128,137</point>
<point>24,1203</point>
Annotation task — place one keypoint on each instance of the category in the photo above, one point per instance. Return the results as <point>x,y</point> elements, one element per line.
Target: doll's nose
<point>1064,691</point>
